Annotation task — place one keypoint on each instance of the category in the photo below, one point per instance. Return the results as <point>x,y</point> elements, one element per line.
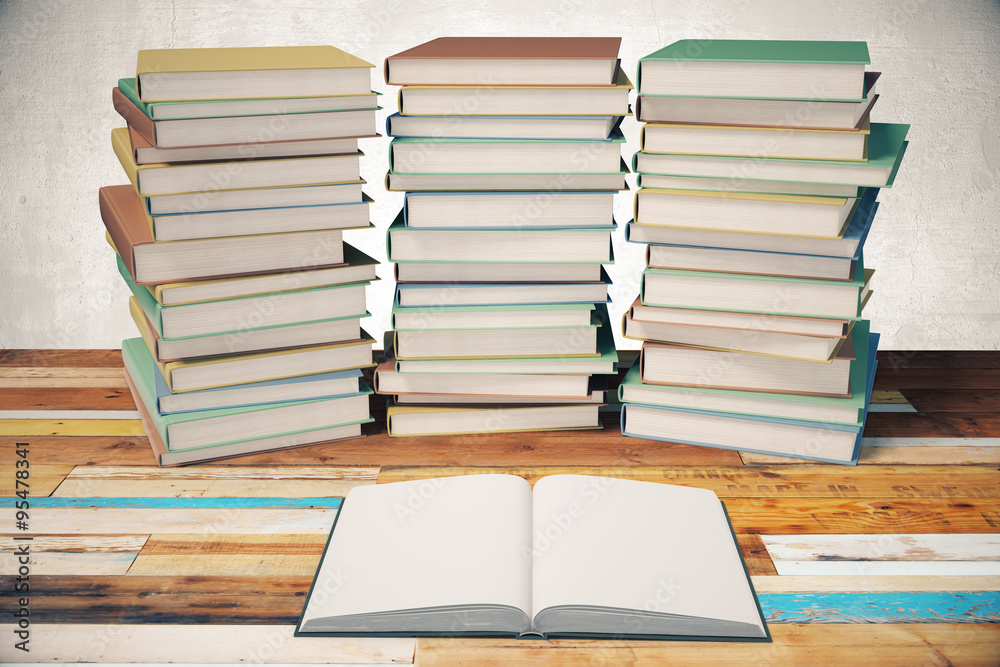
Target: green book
<point>767,69</point>
<point>886,146</point>
<point>224,426</point>
<point>160,316</point>
<point>848,411</point>
<point>754,293</point>
<point>249,107</point>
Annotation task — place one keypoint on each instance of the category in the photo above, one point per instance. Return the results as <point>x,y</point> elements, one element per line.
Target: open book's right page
<point>638,546</point>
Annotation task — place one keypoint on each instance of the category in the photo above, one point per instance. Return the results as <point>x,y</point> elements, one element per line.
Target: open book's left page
<point>438,546</point>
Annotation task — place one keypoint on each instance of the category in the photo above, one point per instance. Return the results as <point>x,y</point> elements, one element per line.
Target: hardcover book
<point>490,556</point>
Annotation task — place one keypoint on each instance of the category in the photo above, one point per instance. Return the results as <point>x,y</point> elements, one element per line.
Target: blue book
<point>815,441</point>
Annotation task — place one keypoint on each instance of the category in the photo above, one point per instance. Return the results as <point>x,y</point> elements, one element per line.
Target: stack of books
<point>245,170</point>
<point>509,152</point>
<point>758,171</point>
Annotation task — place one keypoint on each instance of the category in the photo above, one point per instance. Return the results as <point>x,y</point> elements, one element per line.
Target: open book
<point>577,556</point>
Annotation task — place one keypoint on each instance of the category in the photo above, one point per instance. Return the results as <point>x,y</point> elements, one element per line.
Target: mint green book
<point>886,146</point>
<point>765,69</point>
<point>249,107</point>
<point>849,411</point>
<point>225,426</point>
<point>754,293</point>
<point>159,315</point>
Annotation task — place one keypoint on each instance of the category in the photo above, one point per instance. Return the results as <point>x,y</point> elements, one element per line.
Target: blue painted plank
<point>187,503</point>
<point>882,607</point>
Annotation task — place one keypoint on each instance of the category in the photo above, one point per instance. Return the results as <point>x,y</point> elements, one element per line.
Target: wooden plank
<point>99,358</point>
<point>888,397</point>
<point>222,545</point>
<point>82,380</point>
<point>200,644</point>
<point>77,543</point>
<point>787,481</point>
<point>172,503</point>
<point>877,607</point>
<point>187,488</point>
<point>199,472</point>
<point>32,427</point>
<point>958,455</point>
<point>755,555</point>
<point>937,377</point>
<point>794,644</point>
<point>894,361</point>
<point>933,425</point>
<point>771,516</point>
<point>163,599</point>
<point>87,450</point>
<point>952,400</point>
<point>66,398</point>
<point>882,583</point>
<point>96,521</point>
<point>49,563</point>
<point>232,565</point>
<point>232,481</point>
<point>53,415</point>
<point>42,479</point>
<point>927,568</point>
<point>593,448</point>
<point>984,547</point>
<point>249,600</point>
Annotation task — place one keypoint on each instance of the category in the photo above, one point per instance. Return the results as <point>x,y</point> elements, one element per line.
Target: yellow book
<point>164,75</point>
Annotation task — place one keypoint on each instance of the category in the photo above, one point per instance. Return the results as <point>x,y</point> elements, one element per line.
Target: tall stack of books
<point>245,170</point>
<point>758,173</point>
<point>509,152</point>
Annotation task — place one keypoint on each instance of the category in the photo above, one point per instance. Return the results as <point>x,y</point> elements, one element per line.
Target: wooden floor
<point>895,562</point>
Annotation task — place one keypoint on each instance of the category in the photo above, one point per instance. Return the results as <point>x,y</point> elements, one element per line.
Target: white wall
<point>934,243</point>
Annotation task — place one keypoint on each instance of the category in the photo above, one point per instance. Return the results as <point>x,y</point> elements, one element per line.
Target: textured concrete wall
<point>934,243</point>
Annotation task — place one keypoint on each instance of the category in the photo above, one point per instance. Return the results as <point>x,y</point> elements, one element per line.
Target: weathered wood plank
<point>926,568</point>
<point>912,377</point>
<point>41,479</point>
<point>185,503</point>
<point>773,516</point>
<point>27,428</point>
<point>193,488</point>
<point>594,448</point>
<point>883,547</point>
<point>97,358</point>
<point>882,583</point>
<point>794,644</point>
<point>49,563</point>
<point>77,543</point>
<point>799,481</point>
<point>952,400</point>
<point>755,555</point>
<point>222,545</point>
<point>877,607</point>
<point>230,520</point>
<point>200,644</point>
<point>894,361</point>
<point>957,455</point>
<point>933,425</point>
<point>205,472</point>
<point>232,565</point>
<point>66,398</point>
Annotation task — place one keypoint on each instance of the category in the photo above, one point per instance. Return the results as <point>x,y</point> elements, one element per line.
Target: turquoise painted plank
<point>186,503</point>
<point>881,607</point>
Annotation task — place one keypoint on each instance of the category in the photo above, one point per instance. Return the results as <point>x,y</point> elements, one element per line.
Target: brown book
<point>133,115</point>
<point>152,263</point>
<point>555,61</point>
